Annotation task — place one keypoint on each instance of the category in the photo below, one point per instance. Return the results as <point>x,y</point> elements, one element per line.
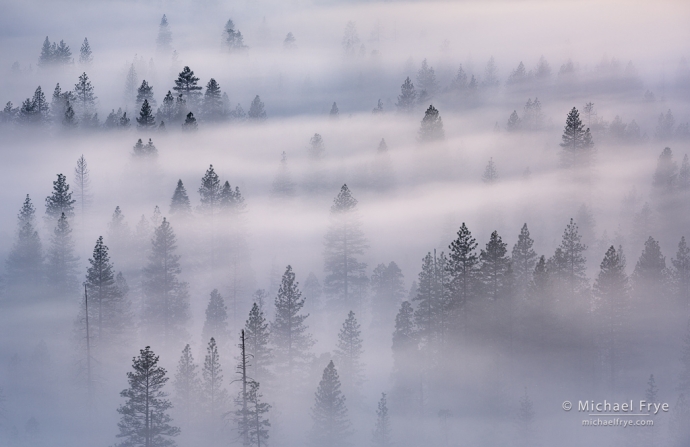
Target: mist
<point>335,223</point>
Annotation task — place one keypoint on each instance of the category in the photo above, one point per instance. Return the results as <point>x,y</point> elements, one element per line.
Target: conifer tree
<point>577,142</point>
<point>348,354</point>
<point>407,98</point>
<point>523,260</point>
<point>283,187</point>
<point>145,421</point>
<point>118,232</point>
<point>329,413</point>
<point>241,401</point>
<point>388,287</point>
<point>146,120</point>
<point>257,344</point>
<point>681,273</point>
<point>62,54</point>
<point>258,424</point>
<point>426,79</point>
<point>344,242</point>
<point>216,323</point>
<point>164,39</point>
<point>256,110</point>
<point>84,97</point>
<point>666,174</point>
<point>60,201</point>
<point>190,124</point>
<point>232,39</point>
<point>463,268</point>
<point>650,277</point>
<point>514,122</point>
<point>167,111</point>
<point>109,312</point>
<point>334,111</point>
<point>46,58</point>
<point>40,107</point>
<point>290,42</point>
<point>180,205</point>
<point>187,386</point>
<point>490,175</point>
<point>186,86</point>
<point>131,82</point>
<point>124,122</point>
<point>433,293</point>
<point>316,147</point>
<point>612,292</point>
<point>145,93</point>
<point>518,76</point>
<point>214,395</point>
<point>61,270</point>
<point>568,263</point>
<point>213,102</point>
<point>24,265</point>
<point>490,74</point>
<point>82,185</point>
<point>405,353</point>
<point>166,298</point>
<point>85,53</point>
<point>288,332</point>
<point>494,268</point>
<point>432,126</point>
<point>382,430</point>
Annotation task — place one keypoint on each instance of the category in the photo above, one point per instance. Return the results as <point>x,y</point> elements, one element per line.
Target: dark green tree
<point>407,98</point>
<point>432,126</point>
<point>186,86</point>
<point>180,205</point>
<point>216,323</point>
<point>258,344</point>
<point>60,201</point>
<point>576,142</point>
<point>289,334</point>
<point>146,120</point>
<point>213,102</point>
<point>344,242</point>
<point>166,298</point>
<point>145,420</point>
<point>329,413</point>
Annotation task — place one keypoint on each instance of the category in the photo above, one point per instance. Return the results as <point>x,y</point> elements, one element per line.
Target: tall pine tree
<point>329,413</point>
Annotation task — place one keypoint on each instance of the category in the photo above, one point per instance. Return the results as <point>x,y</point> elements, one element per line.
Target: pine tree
<point>213,102</point>
<point>568,263</point>
<point>179,204</point>
<point>283,187</point>
<point>109,311</point>
<point>518,76</point>
<point>494,268</point>
<point>85,54</point>
<point>256,110</point>
<point>290,42</point>
<point>124,122</point>
<point>344,242</point>
<point>490,175</point>
<point>146,120</point>
<point>186,86</point>
<point>577,142</point>
<point>348,354</point>
<point>288,331</point>
<point>334,111</point>
<point>187,386</point>
<point>166,299</point>
<point>463,268</point>
<point>60,201</point>
<point>432,127</point>
<point>426,79</point>
<point>214,395</point>
<point>316,147</point>
<point>490,74</point>
<point>145,421</point>
<point>258,424</point>
<point>164,39</point>
<point>433,293</point>
<point>382,430</point>
<point>257,339</point>
<point>405,358</point>
<point>167,111</point>
<point>329,413</point>
<point>388,287</point>
<point>82,181</point>
<point>83,95</point>
<point>190,124</point>
<point>514,122</point>
<point>612,291</point>
<point>216,324</point>
<point>41,107</point>
<point>62,267</point>
<point>666,174</point>
<point>47,56</point>
<point>24,265</point>
<point>407,98</point>
<point>379,108</point>
<point>62,54</point>
<point>523,260</point>
<point>650,277</point>
<point>681,273</point>
<point>232,39</point>
<point>241,401</point>
<point>145,93</point>
<point>69,120</point>
<point>131,81</point>
<point>350,40</point>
